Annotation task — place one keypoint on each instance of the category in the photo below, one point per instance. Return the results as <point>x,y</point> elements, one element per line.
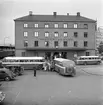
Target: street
<point>50,88</point>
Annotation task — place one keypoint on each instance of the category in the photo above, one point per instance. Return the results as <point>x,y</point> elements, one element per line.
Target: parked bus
<point>88,60</point>
<point>64,66</point>
<point>26,62</point>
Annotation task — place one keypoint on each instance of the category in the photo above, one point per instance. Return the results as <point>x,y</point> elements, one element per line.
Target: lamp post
<point>5,39</point>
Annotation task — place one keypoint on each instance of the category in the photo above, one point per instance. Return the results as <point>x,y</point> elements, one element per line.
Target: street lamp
<point>5,39</point>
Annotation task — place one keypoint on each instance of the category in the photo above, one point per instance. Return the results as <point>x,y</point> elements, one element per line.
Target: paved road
<point>49,88</point>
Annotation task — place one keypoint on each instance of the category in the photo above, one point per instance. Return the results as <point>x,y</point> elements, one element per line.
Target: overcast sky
<point>11,9</point>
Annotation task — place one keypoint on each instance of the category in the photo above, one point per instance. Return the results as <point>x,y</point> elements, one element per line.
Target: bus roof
<point>23,58</point>
<point>61,59</point>
<point>88,56</point>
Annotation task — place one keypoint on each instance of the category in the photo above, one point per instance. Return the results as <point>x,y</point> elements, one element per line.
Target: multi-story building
<point>99,36</point>
<point>54,35</point>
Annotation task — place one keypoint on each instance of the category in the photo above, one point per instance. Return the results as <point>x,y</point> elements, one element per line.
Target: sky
<point>12,9</point>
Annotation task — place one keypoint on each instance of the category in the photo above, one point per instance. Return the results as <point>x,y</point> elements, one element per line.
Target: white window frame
<point>46,43</point>
<point>36,34</point>
<point>75,25</point>
<point>56,34</point>
<point>25,41</point>
<point>25,34</point>
<point>65,34</point>
<point>25,25</point>
<point>46,25</point>
<point>36,25</point>
<point>46,34</point>
<point>56,25</point>
<point>65,25</point>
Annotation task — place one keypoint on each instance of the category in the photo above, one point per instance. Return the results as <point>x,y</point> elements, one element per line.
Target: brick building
<point>54,35</point>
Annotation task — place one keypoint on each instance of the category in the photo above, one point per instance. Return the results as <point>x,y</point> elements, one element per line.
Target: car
<point>17,69</point>
<point>2,96</point>
<point>6,74</point>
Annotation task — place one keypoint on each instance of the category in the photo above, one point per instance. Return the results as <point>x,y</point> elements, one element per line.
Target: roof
<point>88,56</point>
<point>50,18</point>
<point>24,58</point>
<point>62,59</point>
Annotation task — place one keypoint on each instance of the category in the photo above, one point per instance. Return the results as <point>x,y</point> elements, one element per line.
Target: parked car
<point>6,74</point>
<point>17,69</point>
<point>2,96</point>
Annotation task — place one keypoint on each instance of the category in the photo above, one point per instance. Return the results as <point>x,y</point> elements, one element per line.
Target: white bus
<point>26,62</point>
<point>88,60</point>
<point>64,66</point>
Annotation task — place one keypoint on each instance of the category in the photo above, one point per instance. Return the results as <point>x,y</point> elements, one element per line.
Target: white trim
<point>23,62</point>
<point>60,66</point>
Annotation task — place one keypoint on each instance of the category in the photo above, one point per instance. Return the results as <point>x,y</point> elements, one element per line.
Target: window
<point>36,54</point>
<point>46,25</point>
<point>85,25</point>
<point>87,53</point>
<point>46,34</point>
<point>75,34</point>
<point>36,25</point>
<point>75,43</point>
<point>65,43</point>
<point>56,25</point>
<point>25,34</point>
<point>25,25</point>
<point>25,43</point>
<point>75,25</point>
<point>46,43</point>
<point>85,43</point>
<point>36,43</point>
<point>56,34</point>
<point>56,44</point>
<point>36,34</point>
<point>65,25</point>
<point>23,54</point>
<point>65,34</point>
<point>85,34</point>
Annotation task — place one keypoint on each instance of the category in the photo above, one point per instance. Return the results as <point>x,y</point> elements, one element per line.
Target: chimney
<point>30,13</point>
<point>54,13</point>
<point>78,14</point>
<point>67,14</point>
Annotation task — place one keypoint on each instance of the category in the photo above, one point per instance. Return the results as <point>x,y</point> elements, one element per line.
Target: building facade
<point>54,35</point>
<point>99,36</point>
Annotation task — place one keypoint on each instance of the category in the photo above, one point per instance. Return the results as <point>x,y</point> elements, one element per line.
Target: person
<point>35,71</point>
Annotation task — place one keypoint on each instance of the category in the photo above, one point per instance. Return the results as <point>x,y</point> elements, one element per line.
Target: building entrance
<point>48,55</point>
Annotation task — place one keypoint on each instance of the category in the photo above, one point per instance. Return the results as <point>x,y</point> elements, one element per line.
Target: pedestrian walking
<point>35,71</point>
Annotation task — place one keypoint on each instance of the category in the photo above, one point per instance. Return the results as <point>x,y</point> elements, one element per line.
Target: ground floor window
<point>87,53</point>
<point>23,54</point>
<point>35,53</point>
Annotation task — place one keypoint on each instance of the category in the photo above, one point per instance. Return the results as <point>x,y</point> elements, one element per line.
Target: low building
<point>6,51</point>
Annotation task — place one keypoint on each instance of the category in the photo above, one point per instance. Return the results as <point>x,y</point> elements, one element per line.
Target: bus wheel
<point>85,63</point>
<point>98,63</point>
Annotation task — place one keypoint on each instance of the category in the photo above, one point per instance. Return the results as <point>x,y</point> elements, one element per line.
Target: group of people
<point>47,66</point>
